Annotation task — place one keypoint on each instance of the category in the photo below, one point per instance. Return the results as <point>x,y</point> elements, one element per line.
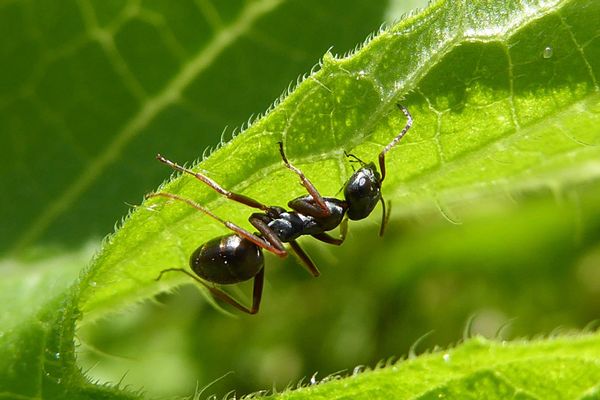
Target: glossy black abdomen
<point>227,259</point>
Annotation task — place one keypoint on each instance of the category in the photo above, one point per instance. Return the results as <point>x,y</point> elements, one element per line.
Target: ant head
<point>363,191</point>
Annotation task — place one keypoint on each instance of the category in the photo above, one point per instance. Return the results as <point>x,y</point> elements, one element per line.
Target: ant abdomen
<point>227,259</point>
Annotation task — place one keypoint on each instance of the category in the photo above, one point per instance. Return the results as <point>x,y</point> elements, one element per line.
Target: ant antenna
<point>394,141</point>
<point>356,159</point>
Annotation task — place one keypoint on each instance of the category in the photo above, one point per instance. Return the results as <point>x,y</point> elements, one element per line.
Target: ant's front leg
<point>385,216</point>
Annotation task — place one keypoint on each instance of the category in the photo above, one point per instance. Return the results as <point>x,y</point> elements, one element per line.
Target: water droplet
<point>361,74</point>
<point>548,52</point>
<point>446,357</point>
<point>57,356</point>
<point>93,283</point>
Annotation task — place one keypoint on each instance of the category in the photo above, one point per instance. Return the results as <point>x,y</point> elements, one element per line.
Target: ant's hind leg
<point>224,296</point>
<point>240,198</point>
<point>276,249</point>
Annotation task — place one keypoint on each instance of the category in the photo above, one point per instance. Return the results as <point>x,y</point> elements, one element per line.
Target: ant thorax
<point>290,225</point>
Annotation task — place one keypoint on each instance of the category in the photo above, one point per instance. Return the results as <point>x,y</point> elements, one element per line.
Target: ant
<point>238,256</point>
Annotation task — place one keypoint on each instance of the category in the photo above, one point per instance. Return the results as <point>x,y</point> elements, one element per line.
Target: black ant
<point>238,257</point>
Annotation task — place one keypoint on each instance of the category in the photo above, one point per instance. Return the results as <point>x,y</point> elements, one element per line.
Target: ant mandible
<point>238,257</point>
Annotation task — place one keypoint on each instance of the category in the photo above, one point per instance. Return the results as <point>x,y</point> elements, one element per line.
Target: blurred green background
<point>79,150</point>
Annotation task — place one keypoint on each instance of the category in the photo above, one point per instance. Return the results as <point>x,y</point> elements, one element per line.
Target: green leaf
<point>561,368</point>
<point>492,113</point>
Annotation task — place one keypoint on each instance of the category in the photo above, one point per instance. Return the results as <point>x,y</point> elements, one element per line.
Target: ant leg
<point>344,228</point>
<point>306,207</point>
<point>224,296</point>
<point>312,190</point>
<point>324,237</point>
<point>258,221</point>
<point>275,249</point>
<point>356,159</point>
<point>394,141</point>
<point>240,198</point>
<point>305,259</point>
<point>385,216</point>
